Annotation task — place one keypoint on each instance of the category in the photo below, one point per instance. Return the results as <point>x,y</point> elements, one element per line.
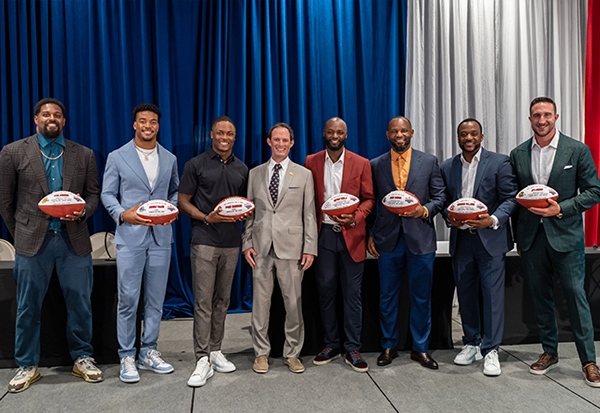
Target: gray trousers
<point>213,270</point>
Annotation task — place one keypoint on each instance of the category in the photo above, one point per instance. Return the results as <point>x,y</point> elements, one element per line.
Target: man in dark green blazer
<point>550,240</point>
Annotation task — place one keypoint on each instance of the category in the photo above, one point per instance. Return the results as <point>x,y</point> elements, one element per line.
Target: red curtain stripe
<point>592,103</point>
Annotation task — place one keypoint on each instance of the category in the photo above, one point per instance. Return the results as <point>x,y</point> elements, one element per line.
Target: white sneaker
<point>220,363</point>
<point>468,355</point>
<point>129,373</point>
<point>491,364</point>
<point>202,373</point>
<point>23,378</point>
<point>150,359</point>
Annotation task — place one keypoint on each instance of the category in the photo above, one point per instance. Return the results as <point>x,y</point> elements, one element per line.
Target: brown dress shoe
<point>261,364</point>
<point>425,359</point>
<point>386,356</point>
<point>591,374</point>
<point>545,362</point>
<point>294,364</point>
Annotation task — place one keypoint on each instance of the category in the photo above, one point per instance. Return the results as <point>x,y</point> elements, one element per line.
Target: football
<point>157,211</point>
<point>399,202</point>
<point>234,207</point>
<point>465,209</point>
<point>340,204</point>
<point>536,196</point>
<point>59,204</point>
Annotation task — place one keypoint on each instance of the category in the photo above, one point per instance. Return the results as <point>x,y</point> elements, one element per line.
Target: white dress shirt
<point>150,164</point>
<point>469,173</point>
<point>333,180</point>
<point>542,159</point>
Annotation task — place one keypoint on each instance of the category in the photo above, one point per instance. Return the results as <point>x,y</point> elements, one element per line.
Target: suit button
<point>151,193</point>
<point>274,212</point>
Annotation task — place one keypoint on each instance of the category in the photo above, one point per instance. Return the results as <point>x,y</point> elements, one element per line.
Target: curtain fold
<point>488,60</point>
<point>259,62</point>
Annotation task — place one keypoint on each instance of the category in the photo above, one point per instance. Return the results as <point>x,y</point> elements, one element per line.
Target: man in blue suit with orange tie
<point>478,247</point>
<point>405,242</point>
<point>139,171</point>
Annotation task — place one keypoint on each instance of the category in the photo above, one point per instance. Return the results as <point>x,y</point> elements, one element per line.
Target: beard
<point>337,147</point>
<point>400,148</point>
<point>50,134</point>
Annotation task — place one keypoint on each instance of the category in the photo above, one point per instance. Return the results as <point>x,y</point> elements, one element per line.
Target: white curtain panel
<point>488,59</point>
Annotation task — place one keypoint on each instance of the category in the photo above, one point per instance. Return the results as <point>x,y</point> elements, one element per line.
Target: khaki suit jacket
<point>290,226</point>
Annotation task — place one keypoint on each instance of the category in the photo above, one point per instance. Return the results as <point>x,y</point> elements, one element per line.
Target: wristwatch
<point>353,224</point>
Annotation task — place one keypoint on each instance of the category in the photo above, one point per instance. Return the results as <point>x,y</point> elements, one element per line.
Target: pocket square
<point>568,166</point>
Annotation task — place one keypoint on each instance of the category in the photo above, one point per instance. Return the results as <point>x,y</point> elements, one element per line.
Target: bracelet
<point>205,221</point>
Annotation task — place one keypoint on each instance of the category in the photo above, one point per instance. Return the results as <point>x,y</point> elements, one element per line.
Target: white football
<point>464,209</point>
<point>234,207</point>
<point>59,204</point>
<point>399,202</point>
<point>536,196</point>
<point>339,204</point>
<point>158,211</point>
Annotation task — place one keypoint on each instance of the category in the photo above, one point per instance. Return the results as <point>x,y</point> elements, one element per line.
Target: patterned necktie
<point>274,184</point>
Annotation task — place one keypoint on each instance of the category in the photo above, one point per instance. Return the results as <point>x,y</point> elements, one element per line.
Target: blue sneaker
<point>129,373</point>
<point>149,359</point>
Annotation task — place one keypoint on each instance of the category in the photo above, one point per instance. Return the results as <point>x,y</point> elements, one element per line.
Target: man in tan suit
<point>279,240</point>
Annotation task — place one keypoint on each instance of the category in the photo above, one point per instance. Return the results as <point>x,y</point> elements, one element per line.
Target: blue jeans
<point>32,275</point>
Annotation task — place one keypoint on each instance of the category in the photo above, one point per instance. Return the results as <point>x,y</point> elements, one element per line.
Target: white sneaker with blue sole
<point>150,359</point>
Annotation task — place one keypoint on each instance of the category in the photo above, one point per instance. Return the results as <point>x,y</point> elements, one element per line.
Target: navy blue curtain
<point>259,62</point>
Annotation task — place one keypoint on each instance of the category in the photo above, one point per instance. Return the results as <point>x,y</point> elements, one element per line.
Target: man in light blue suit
<point>405,243</point>
<point>478,247</point>
<point>139,171</point>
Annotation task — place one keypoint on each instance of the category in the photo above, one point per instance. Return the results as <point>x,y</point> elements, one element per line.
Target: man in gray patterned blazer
<point>31,168</point>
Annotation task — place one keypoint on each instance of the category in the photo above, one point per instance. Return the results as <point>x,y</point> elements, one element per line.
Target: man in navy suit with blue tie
<point>405,243</point>
<point>478,247</point>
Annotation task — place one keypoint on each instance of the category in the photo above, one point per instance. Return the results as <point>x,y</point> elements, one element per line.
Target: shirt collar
<point>213,155</point>
<point>284,163</point>
<point>340,160</point>
<point>404,155</point>
<point>553,143</point>
<point>476,157</point>
<point>43,141</point>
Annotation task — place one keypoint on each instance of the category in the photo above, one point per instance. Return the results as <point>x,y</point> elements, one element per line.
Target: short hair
<point>222,119</point>
<point>46,101</point>
<point>469,120</point>
<point>281,125</point>
<point>399,117</point>
<point>146,107</point>
<point>542,99</point>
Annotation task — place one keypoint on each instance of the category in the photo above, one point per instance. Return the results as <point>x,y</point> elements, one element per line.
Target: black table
<point>54,348</point>
<point>519,328</point>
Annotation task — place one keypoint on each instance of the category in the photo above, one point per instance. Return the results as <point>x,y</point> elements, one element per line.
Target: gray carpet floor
<point>404,386</point>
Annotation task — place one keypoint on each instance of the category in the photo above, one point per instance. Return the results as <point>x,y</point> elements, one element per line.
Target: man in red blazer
<point>342,241</point>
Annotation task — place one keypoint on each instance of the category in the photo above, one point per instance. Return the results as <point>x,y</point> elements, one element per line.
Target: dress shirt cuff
<point>496,223</point>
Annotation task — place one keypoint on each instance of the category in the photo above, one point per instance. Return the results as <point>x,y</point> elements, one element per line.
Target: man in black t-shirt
<point>207,179</point>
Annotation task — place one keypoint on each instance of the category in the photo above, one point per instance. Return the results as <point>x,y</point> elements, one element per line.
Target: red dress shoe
<point>425,359</point>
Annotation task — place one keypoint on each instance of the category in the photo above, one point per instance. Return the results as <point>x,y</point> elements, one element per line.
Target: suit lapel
<point>413,172</point>
<point>456,178</point>
<point>387,170</point>
<point>562,156</point>
<point>524,161</point>
<point>286,181</point>
<point>348,170</point>
<point>483,164</point>
<point>163,165</point>
<point>132,160</point>
<point>32,150</point>
<point>68,165</point>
